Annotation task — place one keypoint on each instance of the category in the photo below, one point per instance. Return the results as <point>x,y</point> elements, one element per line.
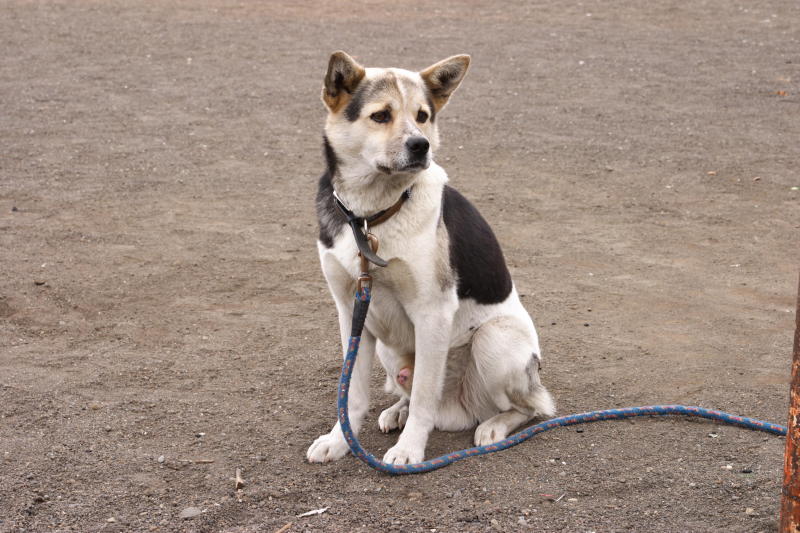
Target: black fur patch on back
<point>330,218</point>
<point>475,254</point>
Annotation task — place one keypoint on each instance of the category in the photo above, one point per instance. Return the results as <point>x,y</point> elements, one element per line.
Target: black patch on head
<point>365,91</point>
<point>353,109</point>
<point>329,217</point>
<point>475,254</point>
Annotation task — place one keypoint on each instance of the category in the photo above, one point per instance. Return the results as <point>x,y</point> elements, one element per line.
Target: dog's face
<point>384,120</point>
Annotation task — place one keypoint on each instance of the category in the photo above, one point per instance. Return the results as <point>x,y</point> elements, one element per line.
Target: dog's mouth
<point>416,166</point>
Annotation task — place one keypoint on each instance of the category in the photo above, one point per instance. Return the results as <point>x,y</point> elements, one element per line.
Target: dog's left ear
<point>341,80</point>
<point>444,77</point>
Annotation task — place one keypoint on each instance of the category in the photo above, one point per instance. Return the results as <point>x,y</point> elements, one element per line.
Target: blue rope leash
<point>360,312</point>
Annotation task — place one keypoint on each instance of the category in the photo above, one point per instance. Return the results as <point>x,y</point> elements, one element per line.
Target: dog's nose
<point>418,145</point>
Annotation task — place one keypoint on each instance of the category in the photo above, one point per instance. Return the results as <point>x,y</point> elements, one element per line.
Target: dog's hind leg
<point>502,384</point>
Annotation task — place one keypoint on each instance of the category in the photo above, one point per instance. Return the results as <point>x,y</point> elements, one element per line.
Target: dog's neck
<point>366,191</point>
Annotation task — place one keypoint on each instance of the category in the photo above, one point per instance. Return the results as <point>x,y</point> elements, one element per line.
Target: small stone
<point>107,429</point>
<point>111,520</point>
<point>14,209</point>
<point>573,500</point>
<point>727,467</point>
<point>39,282</point>
<point>160,458</point>
<point>586,324</point>
<point>747,470</point>
<point>521,521</point>
<point>190,512</point>
<point>750,511</point>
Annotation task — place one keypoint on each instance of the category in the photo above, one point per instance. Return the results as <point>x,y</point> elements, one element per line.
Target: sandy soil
<point>163,320</point>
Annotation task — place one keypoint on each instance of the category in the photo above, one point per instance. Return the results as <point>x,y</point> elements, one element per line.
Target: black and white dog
<point>458,347</point>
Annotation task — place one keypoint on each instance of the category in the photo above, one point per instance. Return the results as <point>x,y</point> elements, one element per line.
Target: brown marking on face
<point>341,80</point>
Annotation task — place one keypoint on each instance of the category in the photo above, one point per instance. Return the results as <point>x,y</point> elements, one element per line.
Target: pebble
<point>727,467</point>
<point>573,500</point>
<point>190,512</point>
<point>111,520</point>
<point>160,458</point>
<point>750,511</point>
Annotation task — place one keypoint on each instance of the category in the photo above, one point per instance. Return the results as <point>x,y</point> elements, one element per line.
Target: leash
<point>368,247</point>
<point>362,300</point>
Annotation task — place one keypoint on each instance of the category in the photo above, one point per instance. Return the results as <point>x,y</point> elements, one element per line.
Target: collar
<point>361,225</point>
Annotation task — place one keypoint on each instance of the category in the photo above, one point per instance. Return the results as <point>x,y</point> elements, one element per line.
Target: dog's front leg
<point>432,342</point>
<point>332,446</point>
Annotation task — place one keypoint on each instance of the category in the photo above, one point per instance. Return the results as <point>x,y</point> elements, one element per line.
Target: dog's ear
<point>341,80</point>
<point>444,77</point>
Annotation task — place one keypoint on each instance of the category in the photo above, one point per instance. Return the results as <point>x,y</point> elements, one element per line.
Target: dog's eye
<point>422,117</point>
<point>381,117</point>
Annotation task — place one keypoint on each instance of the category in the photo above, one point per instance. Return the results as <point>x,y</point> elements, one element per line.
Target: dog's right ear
<point>343,76</point>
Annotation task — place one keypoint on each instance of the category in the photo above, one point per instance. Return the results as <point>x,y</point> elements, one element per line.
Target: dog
<point>446,321</point>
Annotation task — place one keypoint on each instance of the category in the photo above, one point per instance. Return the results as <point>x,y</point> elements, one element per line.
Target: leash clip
<point>365,280</point>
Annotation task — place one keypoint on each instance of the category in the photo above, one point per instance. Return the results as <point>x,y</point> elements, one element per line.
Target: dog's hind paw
<point>490,432</point>
<point>328,447</point>
<point>393,418</point>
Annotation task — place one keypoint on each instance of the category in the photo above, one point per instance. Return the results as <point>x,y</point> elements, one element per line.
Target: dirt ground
<point>163,319</point>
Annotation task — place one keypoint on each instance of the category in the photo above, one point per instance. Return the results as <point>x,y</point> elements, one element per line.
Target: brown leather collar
<point>361,225</point>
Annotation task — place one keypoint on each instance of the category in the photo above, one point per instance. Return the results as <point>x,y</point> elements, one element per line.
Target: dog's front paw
<point>328,447</point>
<point>393,418</point>
<point>400,455</point>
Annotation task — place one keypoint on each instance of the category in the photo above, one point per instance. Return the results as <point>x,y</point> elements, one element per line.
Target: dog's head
<point>384,120</point>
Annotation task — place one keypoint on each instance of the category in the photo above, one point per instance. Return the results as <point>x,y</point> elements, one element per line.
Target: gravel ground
<point>163,319</point>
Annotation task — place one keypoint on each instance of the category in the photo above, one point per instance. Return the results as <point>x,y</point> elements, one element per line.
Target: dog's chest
<point>388,320</point>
